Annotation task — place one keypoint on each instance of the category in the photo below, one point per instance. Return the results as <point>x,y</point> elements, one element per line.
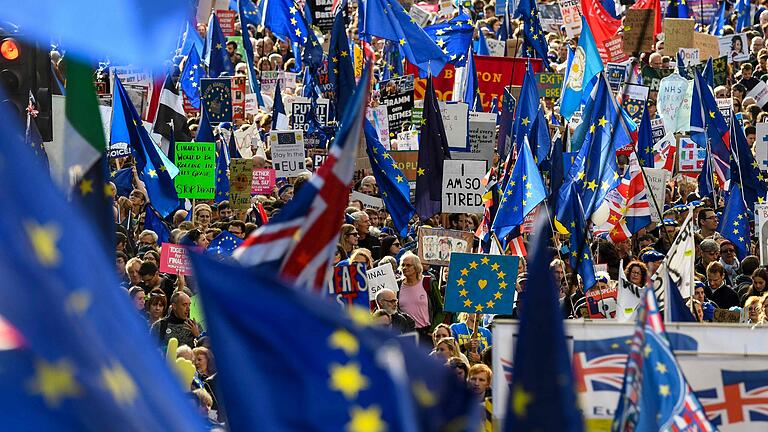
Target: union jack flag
<point>636,211</point>
<point>507,367</point>
<point>300,241</point>
<point>744,398</point>
<point>598,365</point>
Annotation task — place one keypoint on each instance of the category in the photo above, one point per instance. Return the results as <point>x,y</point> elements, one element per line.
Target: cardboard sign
<point>456,123</point>
<point>708,46</point>
<point>691,156</point>
<point>378,118</point>
<point>227,21</point>
<point>197,170</point>
<point>397,96</point>
<point>269,81</point>
<point>379,278</point>
<point>726,316</point>
<point>678,33</point>
<point>550,84</point>
<point>761,145</point>
<point>462,186</point>
<point>571,12</point>
<point>263,181</point>
<point>735,47</point>
<point>407,161</point>
<point>300,109</point>
<point>349,285</point>
<point>238,97</point>
<point>437,244</point>
<point>761,228</point>
<point>638,31</point>
<point>368,201</point>
<point>174,260</point>
<point>657,179</point>
<point>288,153</point>
<point>601,302</point>
<point>633,100</point>
<point>216,96</point>
<point>240,183</point>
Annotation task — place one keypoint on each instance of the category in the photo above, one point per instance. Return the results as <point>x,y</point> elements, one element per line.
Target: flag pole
<point>650,192</point>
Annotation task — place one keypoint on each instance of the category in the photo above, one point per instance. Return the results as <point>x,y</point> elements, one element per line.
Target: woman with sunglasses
<point>348,239</point>
<point>390,246</point>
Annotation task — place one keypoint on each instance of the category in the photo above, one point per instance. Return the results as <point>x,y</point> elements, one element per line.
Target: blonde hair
<point>416,262</point>
<point>451,344</point>
<point>203,398</point>
<point>364,252</point>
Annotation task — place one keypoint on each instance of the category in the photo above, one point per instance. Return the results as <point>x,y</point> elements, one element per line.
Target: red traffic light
<point>9,49</point>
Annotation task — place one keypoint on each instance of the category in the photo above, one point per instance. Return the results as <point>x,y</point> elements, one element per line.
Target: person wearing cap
<point>652,260</point>
<point>729,260</point>
<point>710,252</point>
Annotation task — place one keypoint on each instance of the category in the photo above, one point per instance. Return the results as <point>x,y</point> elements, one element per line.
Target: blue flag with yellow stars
<point>595,171</point>
<point>155,169</point>
<point>204,129</point>
<point>153,221</point>
<point>224,244</point>
<point>481,283</point>
<point>453,37</point>
<point>645,140</point>
<point>343,373</point>
<point>341,72</point>
<point>744,168</point>
<point>216,94</point>
<point>218,58</point>
<point>222,178</point>
<point>388,20</point>
<point>285,19</point>
<point>433,151</point>
<point>534,43</point>
<point>525,190</point>
<point>390,179</point>
<point>527,108</point>
<point>542,395</point>
<point>580,254</point>
<point>734,224</point>
<point>194,69</point>
<point>77,354</point>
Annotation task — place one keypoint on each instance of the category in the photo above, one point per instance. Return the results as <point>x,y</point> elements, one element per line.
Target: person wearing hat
<point>285,192</point>
<point>729,260</point>
<point>710,252</point>
<point>652,260</point>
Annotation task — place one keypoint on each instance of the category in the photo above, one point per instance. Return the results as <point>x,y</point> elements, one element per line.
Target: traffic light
<point>25,68</point>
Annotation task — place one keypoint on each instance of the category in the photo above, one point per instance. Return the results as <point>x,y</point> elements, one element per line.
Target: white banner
<point>724,364</point>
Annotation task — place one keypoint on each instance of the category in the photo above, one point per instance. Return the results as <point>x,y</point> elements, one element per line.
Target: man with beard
<point>386,300</point>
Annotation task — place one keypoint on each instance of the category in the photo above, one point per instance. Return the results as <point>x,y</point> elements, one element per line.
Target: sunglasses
<point>354,234</point>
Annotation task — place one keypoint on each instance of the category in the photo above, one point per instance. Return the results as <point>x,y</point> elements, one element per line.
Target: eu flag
<point>743,15</point>
<point>433,151</point>
<point>471,84</point>
<point>534,43</point>
<point>678,9</point>
<point>453,37</point>
<point>574,221</point>
<point>744,168</point>
<point>194,69</point>
<point>525,190</point>
<point>391,181</point>
<point>481,283</point>
<point>218,57</point>
<point>341,72</point>
<point>506,121</point>
<point>222,178</point>
<point>342,372</point>
<point>286,20</point>
<point>250,15</point>
<point>204,129</point>
<point>542,395</point>
<point>527,108</point>
<point>480,45</point>
<point>655,395</point>
<point>224,244</point>
<point>156,170</point>
<point>645,141</point>
<point>153,221</point>
<point>718,21</point>
<point>709,129</point>
<point>583,66</point>
<point>734,224</point>
<point>595,171</point>
<point>80,356</point>
<point>388,20</point>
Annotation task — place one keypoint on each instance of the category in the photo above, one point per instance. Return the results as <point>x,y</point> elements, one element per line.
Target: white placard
<point>462,186</point>
<point>408,140</point>
<point>761,226</point>
<point>482,137</point>
<point>496,47</point>
<point>300,107</point>
<point>570,10</point>
<point>657,179</point>
<point>251,104</point>
<point>378,118</point>
<point>761,145</point>
<point>760,93</point>
<point>690,56</point>
<point>456,123</point>
<point>368,201</point>
<point>379,278</point>
<point>735,47</point>
<point>287,152</point>
<point>421,16</point>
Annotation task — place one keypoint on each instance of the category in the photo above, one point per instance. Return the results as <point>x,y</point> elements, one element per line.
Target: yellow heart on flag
<point>482,283</point>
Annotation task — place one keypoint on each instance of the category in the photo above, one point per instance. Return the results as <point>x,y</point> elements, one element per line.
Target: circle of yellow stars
<point>482,284</point>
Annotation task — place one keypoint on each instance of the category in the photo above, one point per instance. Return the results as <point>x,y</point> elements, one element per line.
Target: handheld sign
<point>436,244</point>
<point>174,260</point>
<point>480,283</point>
<point>287,152</point>
<point>263,181</point>
<point>216,94</point>
<point>197,170</point>
<point>349,285</point>
<point>462,186</point>
<point>240,183</point>
<point>379,278</point>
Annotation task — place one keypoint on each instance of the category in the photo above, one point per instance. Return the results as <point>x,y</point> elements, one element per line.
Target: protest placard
<point>378,118</point>
<point>322,14</point>
<point>735,47</point>
<point>726,316</point>
<point>379,278</point>
<point>633,100</point>
<point>368,201</point>
<point>456,122</point>
<point>437,244</point>
<point>300,109</point>
<point>657,179</point>
<point>708,46</point>
<point>421,16</point>
<point>614,50</point>
<point>269,81</point>
<point>462,186</point>
<point>725,105</point>
<point>674,103</point>
<point>678,33</point>
<point>197,170</point>
<point>571,12</point>
<point>638,31</point>
<point>174,260</point>
<point>691,156</point>
<point>397,96</point>
<point>482,138</point>
<point>130,75</point>
<point>240,183</point>
<point>406,140</point>
<point>720,70</point>
<point>226,21</point>
<point>407,162</point>
<point>550,17</point>
<point>216,96</point>
<point>479,283</point>
<point>601,303</point>
<point>616,74</point>
<point>263,181</point>
<point>238,97</point>
<point>349,285</point>
<point>760,93</point>
<point>761,145</point>
<point>550,84</point>
<point>288,152</point>
<point>496,47</point>
<point>251,104</point>
<point>761,228</point>
<point>318,156</point>
<point>690,56</point>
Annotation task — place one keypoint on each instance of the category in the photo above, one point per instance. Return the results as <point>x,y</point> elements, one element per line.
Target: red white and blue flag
<point>300,241</point>
<point>743,398</point>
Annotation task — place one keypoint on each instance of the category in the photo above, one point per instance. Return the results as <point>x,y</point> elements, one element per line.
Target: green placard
<point>550,84</point>
<point>197,170</point>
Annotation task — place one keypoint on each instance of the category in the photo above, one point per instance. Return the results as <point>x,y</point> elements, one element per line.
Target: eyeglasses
<point>389,300</point>
<point>353,234</point>
<point>727,251</point>
<point>395,244</point>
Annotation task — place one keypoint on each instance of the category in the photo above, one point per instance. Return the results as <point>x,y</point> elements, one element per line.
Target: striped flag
<point>300,241</point>
<point>637,210</point>
<point>171,118</point>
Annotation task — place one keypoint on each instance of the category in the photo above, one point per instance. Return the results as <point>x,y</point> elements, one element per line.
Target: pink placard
<point>174,260</point>
<point>263,181</point>
<point>227,21</point>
